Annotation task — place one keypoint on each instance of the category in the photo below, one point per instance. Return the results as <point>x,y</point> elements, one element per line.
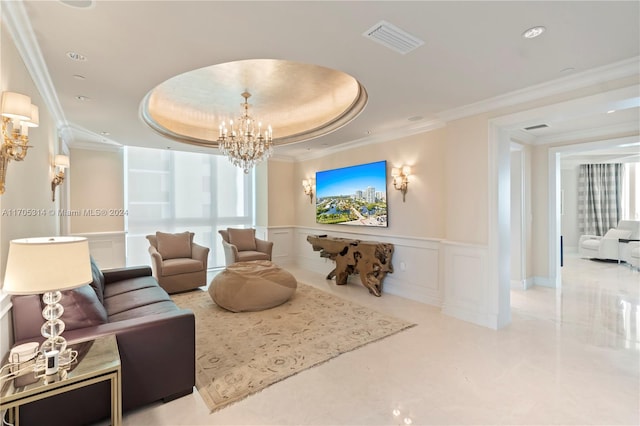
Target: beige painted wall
<point>422,215</point>
<point>466,189</point>
<point>96,183</point>
<point>283,194</point>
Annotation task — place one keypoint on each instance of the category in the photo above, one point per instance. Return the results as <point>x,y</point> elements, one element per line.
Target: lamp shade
<point>16,105</point>
<point>34,120</point>
<point>39,265</point>
<point>61,161</point>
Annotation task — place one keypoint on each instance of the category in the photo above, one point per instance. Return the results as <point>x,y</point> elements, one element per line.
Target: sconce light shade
<point>61,161</point>
<point>18,114</point>
<point>34,121</point>
<point>307,184</point>
<point>16,106</point>
<point>401,179</point>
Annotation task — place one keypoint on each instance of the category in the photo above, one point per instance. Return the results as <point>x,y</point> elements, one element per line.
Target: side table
<point>98,360</point>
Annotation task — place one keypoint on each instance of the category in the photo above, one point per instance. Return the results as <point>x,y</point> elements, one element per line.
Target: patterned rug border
<point>204,380</point>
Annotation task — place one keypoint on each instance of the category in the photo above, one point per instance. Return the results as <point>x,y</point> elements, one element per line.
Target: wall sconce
<point>18,113</point>
<point>61,162</point>
<point>401,179</point>
<point>307,184</point>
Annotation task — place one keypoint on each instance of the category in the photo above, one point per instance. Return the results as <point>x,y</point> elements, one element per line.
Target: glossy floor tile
<point>569,357</point>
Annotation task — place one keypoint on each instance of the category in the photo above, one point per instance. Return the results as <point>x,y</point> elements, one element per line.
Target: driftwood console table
<point>370,259</point>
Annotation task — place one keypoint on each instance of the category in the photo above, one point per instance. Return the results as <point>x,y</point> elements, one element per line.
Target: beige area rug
<point>238,354</point>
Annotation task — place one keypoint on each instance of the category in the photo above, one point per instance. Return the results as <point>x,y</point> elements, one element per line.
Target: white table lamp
<point>48,265</point>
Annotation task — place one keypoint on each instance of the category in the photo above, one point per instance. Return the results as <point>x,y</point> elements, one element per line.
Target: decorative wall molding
<point>107,248</point>
<point>466,283</point>
<point>446,274</point>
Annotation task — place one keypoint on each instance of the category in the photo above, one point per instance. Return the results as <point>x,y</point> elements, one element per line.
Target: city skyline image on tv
<point>354,195</point>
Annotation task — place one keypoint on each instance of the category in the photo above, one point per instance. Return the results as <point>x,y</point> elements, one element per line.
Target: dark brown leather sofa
<point>156,341</point>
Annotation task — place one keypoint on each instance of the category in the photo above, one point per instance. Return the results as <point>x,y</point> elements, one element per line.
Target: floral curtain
<point>599,197</point>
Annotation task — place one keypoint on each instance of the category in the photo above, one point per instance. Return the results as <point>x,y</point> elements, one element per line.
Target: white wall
<point>569,225</point>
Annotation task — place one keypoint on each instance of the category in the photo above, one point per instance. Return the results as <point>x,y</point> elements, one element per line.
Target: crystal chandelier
<point>243,144</point>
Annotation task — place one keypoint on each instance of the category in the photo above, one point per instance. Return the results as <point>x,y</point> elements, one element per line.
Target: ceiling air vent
<point>393,37</point>
<point>536,127</point>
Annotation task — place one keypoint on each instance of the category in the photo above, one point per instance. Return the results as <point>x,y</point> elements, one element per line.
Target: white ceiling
<point>473,51</point>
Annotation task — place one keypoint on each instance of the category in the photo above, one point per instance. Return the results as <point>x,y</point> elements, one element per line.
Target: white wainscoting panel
<point>466,283</point>
<point>282,238</point>
<point>107,248</point>
<point>6,327</point>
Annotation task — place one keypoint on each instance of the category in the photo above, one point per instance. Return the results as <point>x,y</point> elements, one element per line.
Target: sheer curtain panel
<point>174,191</point>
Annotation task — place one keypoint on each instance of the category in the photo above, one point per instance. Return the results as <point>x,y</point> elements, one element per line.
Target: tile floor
<point>569,357</point>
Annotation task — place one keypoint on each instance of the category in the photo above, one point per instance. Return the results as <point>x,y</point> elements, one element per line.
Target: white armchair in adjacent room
<point>608,246</point>
<point>632,254</point>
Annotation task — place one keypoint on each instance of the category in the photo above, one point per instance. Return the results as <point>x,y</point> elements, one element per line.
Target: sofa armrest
<point>119,274</point>
<point>157,353</point>
<point>586,237</point>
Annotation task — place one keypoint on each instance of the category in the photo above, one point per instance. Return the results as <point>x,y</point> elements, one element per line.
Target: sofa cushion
<point>243,239</point>
<point>181,266</point>
<point>173,246</point>
<point>82,308</point>
<point>134,299</point>
<point>132,284</point>
<point>98,280</point>
<point>143,311</point>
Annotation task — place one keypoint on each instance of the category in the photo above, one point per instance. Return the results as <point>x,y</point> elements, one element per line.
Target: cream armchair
<point>241,245</point>
<point>608,246</point>
<point>177,262</point>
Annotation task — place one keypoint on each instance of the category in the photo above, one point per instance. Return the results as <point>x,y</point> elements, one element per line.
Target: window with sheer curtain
<point>173,191</point>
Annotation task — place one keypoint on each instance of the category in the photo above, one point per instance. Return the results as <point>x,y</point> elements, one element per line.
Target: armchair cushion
<point>243,239</point>
<point>173,246</point>
<point>181,266</point>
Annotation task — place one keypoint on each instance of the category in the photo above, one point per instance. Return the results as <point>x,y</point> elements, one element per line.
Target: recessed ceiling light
<point>533,32</point>
<point>75,56</point>
<point>611,111</point>
<point>79,77</point>
<point>82,98</point>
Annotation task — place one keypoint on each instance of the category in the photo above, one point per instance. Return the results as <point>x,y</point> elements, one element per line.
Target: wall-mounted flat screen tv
<point>355,195</point>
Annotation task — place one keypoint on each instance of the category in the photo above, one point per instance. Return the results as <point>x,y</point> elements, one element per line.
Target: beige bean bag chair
<point>252,286</point>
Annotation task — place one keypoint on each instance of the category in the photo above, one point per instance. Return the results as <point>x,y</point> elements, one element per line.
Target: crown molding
<point>19,27</point>
<point>395,134</point>
<point>81,138</point>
